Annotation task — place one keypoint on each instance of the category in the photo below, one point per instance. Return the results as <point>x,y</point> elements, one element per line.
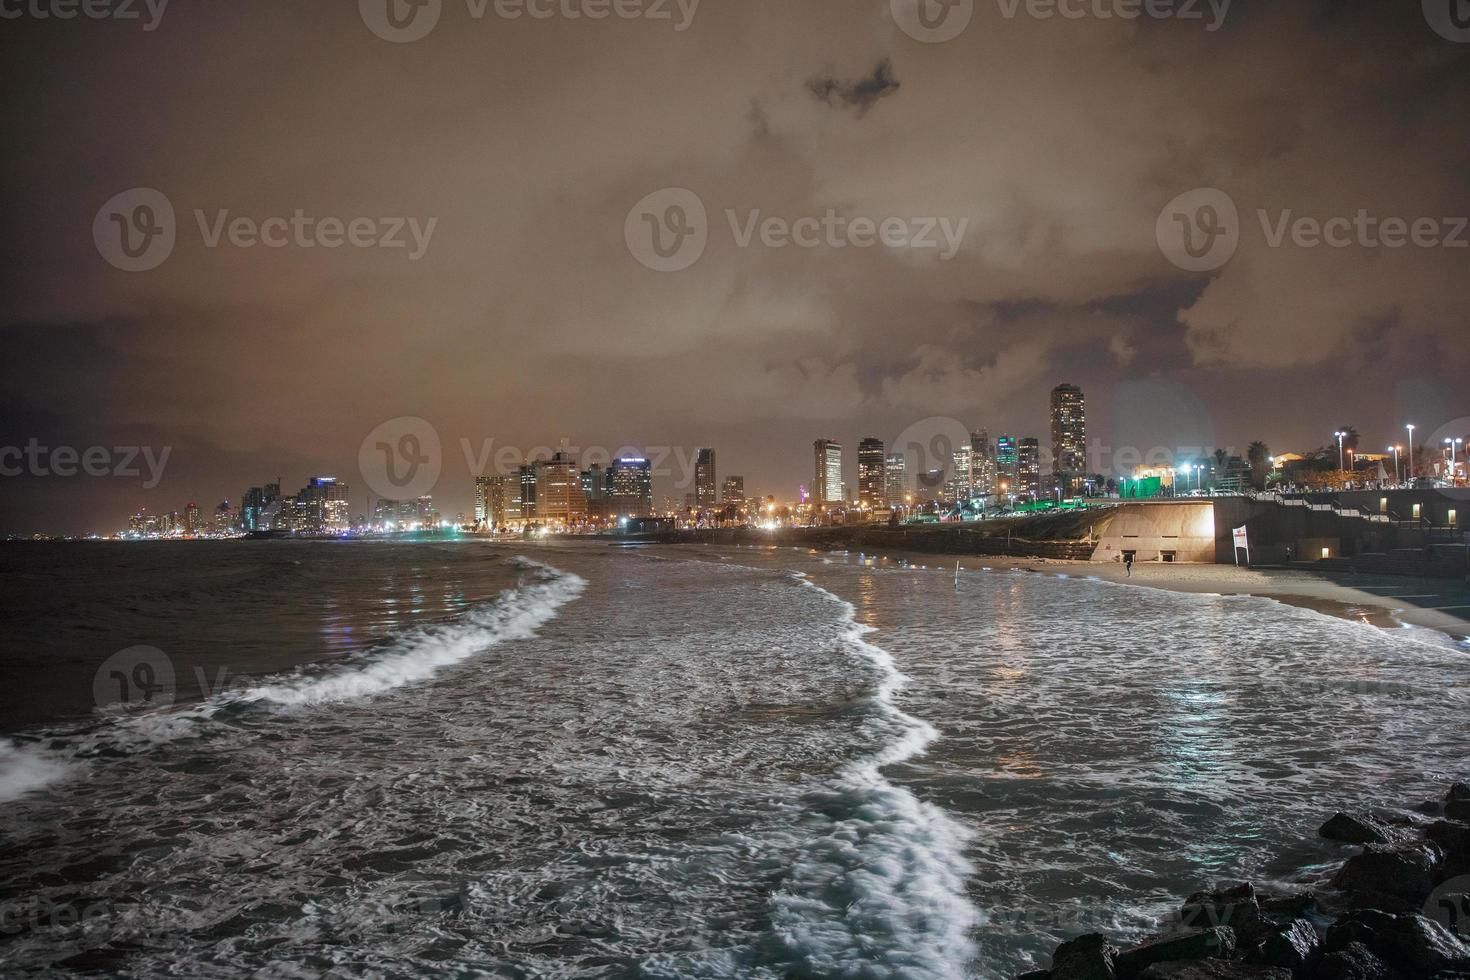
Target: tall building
<point>895,480</point>
<point>1028,467</point>
<point>559,495</point>
<point>1068,437</point>
<point>982,464</point>
<point>960,485</point>
<point>706,491</point>
<point>192,523</point>
<point>828,486</point>
<point>632,487</point>
<point>733,491</point>
<point>1006,460</point>
<point>321,506</point>
<point>526,501</point>
<point>871,473</point>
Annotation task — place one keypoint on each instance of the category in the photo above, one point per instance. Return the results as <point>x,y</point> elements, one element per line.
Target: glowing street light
<point>1410,427</point>
<point>1397,476</point>
<point>1340,437</point>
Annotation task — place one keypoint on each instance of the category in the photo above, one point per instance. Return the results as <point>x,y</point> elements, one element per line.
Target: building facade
<point>828,459</point>
<point>872,477</point>
<point>632,487</point>
<point>895,480</point>
<point>706,490</point>
<point>559,495</point>
<point>1028,467</point>
<point>1068,437</point>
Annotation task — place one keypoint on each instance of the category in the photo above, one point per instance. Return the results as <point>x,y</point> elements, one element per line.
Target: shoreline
<point>1377,600</point>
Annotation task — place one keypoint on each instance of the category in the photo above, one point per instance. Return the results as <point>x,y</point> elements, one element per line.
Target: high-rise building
<point>1068,437</point>
<point>895,480</point>
<point>322,505</point>
<point>871,473</point>
<point>960,485</point>
<point>733,491</point>
<point>706,491</point>
<point>828,486</point>
<point>632,487</point>
<point>526,501</point>
<point>1028,467</point>
<point>982,464</point>
<point>559,495</point>
<point>191,518</point>
<point>1006,460</point>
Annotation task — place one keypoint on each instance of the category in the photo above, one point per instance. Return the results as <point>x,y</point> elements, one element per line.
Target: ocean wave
<point>411,658</point>
<point>880,891</point>
<point>24,768</point>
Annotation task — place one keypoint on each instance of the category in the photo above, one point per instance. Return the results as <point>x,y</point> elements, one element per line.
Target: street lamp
<point>1340,437</point>
<point>1452,443</point>
<point>1410,427</point>
<point>1397,476</point>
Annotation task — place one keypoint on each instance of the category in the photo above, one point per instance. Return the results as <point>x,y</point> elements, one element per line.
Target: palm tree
<point>1258,454</point>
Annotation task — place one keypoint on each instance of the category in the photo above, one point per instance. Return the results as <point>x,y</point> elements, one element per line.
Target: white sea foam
<point>25,768</point>
<point>882,891</point>
<point>413,658</point>
<point>516,615</point>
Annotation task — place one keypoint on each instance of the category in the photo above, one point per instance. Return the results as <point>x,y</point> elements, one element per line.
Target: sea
<point>458,758</point>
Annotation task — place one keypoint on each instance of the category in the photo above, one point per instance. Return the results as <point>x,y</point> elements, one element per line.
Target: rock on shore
<point>1398,909</point>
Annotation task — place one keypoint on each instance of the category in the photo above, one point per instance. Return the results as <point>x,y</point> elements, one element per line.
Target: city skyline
<point>526,317</point>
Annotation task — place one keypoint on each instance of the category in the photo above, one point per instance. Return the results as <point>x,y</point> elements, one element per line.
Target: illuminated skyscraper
<point>828,486</point>
<point>706,491</point>
<point>1028,467</point>
<point>559,495</point>
<point>871,473</point>
<point>1068,437</point>
<point>1006,460</point>
<point>982,464</point>
<point>895,480</point>
<point>960,485</point>
<point>734,490</point>
<point>526,502</point>
<point>632,487</point>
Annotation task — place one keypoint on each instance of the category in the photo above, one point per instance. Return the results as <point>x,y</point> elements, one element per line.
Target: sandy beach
<point>1381,600</point>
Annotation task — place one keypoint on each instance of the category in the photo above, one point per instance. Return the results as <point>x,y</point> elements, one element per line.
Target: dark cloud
<point>861,94</point>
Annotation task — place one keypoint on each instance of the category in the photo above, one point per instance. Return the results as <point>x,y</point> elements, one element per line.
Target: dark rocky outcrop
<point>1353,962</point>
<point>1378,923</point>
<point>1406,871</point>
<point>1087,957</point>
<point>1355,829</point>
<point>1213,970</point>
<point>1214,943</point>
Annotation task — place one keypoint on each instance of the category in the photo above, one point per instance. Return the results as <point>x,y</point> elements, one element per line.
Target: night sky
<point>529,319</point>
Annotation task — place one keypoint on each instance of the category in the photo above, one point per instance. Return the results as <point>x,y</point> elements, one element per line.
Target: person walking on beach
<point>1128,562</point>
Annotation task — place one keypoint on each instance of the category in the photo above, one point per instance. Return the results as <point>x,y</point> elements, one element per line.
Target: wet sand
<point>1380,600</point>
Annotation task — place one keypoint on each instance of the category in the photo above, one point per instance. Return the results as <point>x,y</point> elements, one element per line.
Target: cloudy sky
<point>498,171</point>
